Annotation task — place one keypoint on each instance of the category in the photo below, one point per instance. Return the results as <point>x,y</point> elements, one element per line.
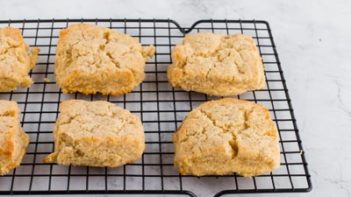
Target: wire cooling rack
<point>161,108</point>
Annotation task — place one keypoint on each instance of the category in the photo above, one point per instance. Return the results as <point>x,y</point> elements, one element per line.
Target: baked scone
<point>16,60</point>
<point>225,136</point>
<point>91,59</point>
<point>97,133</point>
<point>13,140</point>
<point>215,64</point>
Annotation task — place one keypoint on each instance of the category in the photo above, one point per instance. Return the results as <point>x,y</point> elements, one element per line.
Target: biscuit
<point>16,60</point>
<point>97,133</point>
<point>215,64</point>
<point>13,140</point>
<point>225,136</point>
<point>92,59</point>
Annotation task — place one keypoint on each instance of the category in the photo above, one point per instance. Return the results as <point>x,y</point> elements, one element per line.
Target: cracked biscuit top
<point>13,140</point>
<point>216,64</point>
<point>91,59</point>
<point>16,60</point>
<point>96,133</point>
<point>225,136</point>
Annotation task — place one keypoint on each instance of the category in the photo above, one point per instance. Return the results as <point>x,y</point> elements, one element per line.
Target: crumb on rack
<point>47,80</point>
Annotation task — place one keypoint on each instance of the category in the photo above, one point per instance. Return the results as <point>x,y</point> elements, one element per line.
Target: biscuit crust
<point>92,59</point>
<point>225,136</point>
<point>215,64</point>
<point>97,133</point>
<point>16,60</point>
<point>13,139</point>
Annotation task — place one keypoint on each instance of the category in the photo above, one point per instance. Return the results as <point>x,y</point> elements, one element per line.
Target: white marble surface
<point>313,40</point>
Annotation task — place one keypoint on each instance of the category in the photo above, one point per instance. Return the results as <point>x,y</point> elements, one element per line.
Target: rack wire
<point>161,108</point>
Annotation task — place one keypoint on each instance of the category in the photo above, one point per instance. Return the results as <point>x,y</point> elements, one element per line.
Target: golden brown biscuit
<point>16,60</point>
<point>216,64</point>
<point>93,59</point>
<point>225,136</point>
<point>96,133</point>
<point>13,140</point>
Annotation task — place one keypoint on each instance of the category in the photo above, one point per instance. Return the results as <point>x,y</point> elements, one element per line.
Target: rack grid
<point>161,109</point>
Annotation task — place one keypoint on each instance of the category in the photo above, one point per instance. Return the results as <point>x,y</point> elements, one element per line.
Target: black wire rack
<point>161,108</point>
